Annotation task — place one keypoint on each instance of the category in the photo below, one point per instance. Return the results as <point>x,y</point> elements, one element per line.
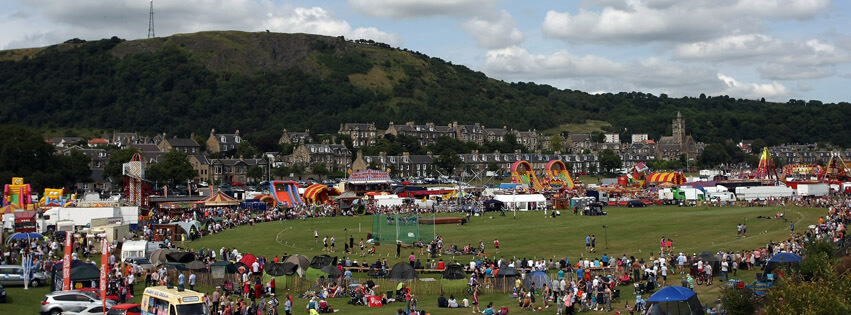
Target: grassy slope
<point>588,127</point>
<point>631,232</point>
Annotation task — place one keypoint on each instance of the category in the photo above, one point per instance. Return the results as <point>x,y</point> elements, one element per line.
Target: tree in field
<point>609,160</point>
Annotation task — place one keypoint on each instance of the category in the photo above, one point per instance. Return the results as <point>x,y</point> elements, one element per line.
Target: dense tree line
<point>170,89</point>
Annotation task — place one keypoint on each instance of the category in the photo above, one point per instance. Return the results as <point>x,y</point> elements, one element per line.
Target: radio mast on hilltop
<point>151,22</point>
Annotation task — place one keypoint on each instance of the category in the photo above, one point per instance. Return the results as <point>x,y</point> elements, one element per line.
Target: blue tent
<point>25,235</point>
<point>788,260</point>
<point>675,300</point>
<point>785,258</point>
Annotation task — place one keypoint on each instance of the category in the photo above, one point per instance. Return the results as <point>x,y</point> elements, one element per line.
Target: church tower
<point>679,130</point>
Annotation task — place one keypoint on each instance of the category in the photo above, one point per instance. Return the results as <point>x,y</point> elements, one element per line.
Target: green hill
<point>261,83</point>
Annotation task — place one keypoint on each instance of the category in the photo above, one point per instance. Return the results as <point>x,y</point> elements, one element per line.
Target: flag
<point>66,264</point>
<point>104,263</point>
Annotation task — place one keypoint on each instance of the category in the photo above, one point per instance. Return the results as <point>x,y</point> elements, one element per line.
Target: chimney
<point>237,132</point>
<point>430,154</point>
<point>406,154</point>
<point>192,135</point>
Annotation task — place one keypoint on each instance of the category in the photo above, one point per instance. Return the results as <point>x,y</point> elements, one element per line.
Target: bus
<point>161,300</point>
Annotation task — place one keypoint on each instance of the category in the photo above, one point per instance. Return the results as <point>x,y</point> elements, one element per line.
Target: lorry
<point>814,190</point>
<point>721,196</point>
<point>82,216</point>
<point>25,221</point>
<point>674,195</point>
<point>751,193</point>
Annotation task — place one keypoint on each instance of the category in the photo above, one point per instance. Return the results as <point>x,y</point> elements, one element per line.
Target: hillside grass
<point>588,127</point>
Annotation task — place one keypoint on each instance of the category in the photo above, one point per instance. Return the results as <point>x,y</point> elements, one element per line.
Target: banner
<point>66,263</point>
<point>104,263</point>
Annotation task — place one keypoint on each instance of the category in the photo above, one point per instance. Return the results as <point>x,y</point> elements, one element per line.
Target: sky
<point>772,49</point>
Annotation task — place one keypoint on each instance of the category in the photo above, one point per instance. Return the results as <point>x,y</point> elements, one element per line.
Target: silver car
<point>57,302</point>
<point>14,275</point>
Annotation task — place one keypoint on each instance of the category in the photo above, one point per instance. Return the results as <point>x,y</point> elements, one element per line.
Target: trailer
<point>763,192</point>
<point>814,190</point>
<point>82,216</point>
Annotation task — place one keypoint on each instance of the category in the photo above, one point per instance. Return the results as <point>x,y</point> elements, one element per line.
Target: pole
<point>26,263</point>
<point>606,235</point>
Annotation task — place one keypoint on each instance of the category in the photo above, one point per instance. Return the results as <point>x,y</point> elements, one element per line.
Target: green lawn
<point>631,231</point>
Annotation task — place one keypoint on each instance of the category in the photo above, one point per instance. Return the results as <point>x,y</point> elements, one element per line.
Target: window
<point>224,140</point>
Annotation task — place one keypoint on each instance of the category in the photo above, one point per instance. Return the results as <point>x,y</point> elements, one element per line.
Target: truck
<point>814,190</point>
<point>751,193</point>
<point>82,216</point>
<point>676,194</point>
<point>722,196</point>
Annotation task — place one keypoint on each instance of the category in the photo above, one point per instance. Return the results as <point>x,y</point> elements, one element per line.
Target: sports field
<point>631,231</point>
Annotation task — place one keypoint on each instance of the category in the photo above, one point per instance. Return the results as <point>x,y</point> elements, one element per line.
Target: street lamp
<point>606,235</point>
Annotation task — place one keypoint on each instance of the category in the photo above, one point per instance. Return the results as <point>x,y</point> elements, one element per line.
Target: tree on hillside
<point>713,155</point>
<point>319,169</point>
<point>609,161</point>
<point>75,167</point>
<point>201,142</point>
<point>281,171</point>
<point>173,169</point>
<point>556,143</point>
<point>113,166</point>
<point>245,150</point>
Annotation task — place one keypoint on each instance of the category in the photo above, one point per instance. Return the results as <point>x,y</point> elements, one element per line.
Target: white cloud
<point>771,90</point>
<point>398,9</point>
<point>682,21</point>
<point>517,62</point>
<point>494,32</point>
<point>58,21</point>
<point>730,47</point>
<point>316,20</point>
<point>593,73</point>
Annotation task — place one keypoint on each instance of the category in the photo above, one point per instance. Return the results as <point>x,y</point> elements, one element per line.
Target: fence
<point>427,284</point>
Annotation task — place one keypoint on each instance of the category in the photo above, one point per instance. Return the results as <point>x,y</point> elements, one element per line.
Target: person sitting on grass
<point>452,303</point>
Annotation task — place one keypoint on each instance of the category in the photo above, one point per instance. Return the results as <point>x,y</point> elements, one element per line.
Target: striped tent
<point>219,199</point>
<point>675,178</point>
<point>10,208</point>
<point>318,193</point>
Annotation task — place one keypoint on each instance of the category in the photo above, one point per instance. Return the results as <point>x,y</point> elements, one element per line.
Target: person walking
<point>192,280</point>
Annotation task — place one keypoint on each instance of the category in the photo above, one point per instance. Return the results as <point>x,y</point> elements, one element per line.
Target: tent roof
<point>219,199</point>
<point>402,270</point>
<point>521,198</point>
<point>673,293</point>
<point>10,208</point>
<point>673,177</point>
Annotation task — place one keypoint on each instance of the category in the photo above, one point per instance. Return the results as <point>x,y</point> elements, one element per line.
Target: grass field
<point>631,231</point>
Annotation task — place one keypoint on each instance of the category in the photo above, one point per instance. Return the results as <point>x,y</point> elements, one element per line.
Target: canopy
<point>322,260</point>
<point>785,257</point>
<point>197,265</point>
<point>219,268</point>
<point>782,259</point>
<point>507,271</point>
<point>180,257</point>
<point>493,205</point>
<point>332,271</point>
<point>675,300</point>
<point>369,177</point>
<point>24,235</point>
<point>218,199</point>
<point>538,278</point>
<point>159,256</point>
<point>454,272</point>
<point>175,265</point>
<point>402,271</point>
<point>279,269</point>
<point>188,226</point>
<point>709,258</point>
<point>676,178</point>
<point>248,260</point>
<point>84,272</point>
<point>301,263</point>
<point>319,193</point>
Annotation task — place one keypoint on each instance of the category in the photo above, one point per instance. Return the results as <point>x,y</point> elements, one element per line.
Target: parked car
<point>635,203</point>
<point>2,294</point>
<point>56,302</point>
<point>14,275</point>
<point>125,309</point>
<point>90,309</point>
